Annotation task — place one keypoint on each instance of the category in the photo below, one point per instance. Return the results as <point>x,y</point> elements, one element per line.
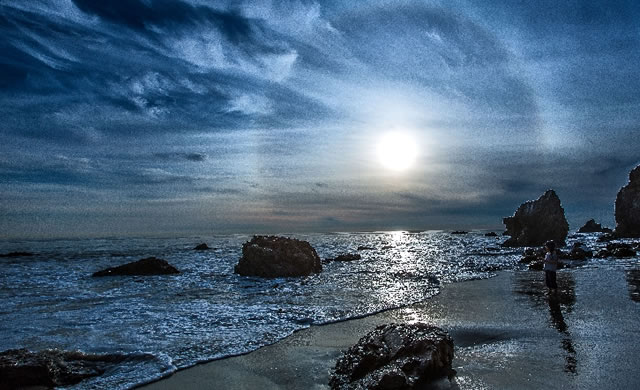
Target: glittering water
<point>167,322</point>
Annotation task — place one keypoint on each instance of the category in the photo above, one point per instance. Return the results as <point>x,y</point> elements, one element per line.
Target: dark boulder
<point>395,356</point>
<point>491,234</point>
<point>365,248</point>
<point>577,252</point>
<point>620,250</point>
<point>531,255</point>
<point>272,257</point>
<point>592,227</point>
<point>628,207</point>
<point>17,254</point>
<point>536,222</point>
<point>459,232</point>
<point>148,266</point>
<point>345,257</point>
<point>20,368</point>
<point>201,247</point>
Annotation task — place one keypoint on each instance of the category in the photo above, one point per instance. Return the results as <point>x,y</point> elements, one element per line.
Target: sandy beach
<point>509,333</point>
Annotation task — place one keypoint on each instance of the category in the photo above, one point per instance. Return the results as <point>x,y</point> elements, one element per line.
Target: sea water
<point>163,323</point>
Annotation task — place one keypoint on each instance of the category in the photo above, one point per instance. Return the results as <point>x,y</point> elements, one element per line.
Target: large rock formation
<point>628,207</point>
<point>20,368</point>
<point>148,266</point>
<point>395,356</point>
<point>272,257</point>
<point>536,222</point>
<point>592,227</point>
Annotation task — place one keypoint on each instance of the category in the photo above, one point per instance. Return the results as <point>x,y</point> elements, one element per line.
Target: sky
<point>186,117</point>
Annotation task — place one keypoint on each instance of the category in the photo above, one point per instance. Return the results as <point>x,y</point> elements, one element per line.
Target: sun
<point>397,151</point>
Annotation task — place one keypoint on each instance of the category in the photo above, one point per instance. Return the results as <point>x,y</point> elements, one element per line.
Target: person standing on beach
<point>550,265</point>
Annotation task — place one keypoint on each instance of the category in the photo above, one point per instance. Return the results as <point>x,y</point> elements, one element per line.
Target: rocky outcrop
<point>345,257</point>
<point>20,368</point>
<point>577,252</point>
<point>272,257</point>
<point>592,227</point>
<point>395,356</point>
<point>491,234</point>
<point>201,247</point>
<point>148,266</point>
<point>628,207</point>
<point>536,222</point>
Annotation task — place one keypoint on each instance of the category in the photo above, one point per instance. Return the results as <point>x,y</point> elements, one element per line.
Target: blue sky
<point>189,117</point>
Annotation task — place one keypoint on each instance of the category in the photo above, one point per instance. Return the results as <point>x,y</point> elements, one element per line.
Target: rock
<point>202,247</point>
<point>532,254</point>
<point>20,368</point>
<point>345,257</point>
<point>536,222</point>
<point>395,356</point>
<point>148,266</point>
<point>365,248</point>
<point>17,254</point>
<point>272,257</point>
<point>387,247</point>
<point>628,207</point>
<point>577,253</point>
<point>491,234</point>
<point>620,250</point>
<point>606,237</point>
<point>459,232</point>
<point>592,227</point>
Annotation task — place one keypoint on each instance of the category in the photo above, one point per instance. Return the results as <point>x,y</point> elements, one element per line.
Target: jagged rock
<point>345,257</point>
<point>20,368</point>
<point>272,257</point>
<point>148,266</point>
<point>17,254</point>
<point>395,356</point>
<point>201,247</point>
<point>491,234</point>
<point>536,222</point>
<point>628,207</point>
<point>365,248</point>
<point>592,227</point>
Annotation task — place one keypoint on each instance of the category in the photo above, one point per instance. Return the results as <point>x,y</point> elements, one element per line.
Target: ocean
<point>164,323</point>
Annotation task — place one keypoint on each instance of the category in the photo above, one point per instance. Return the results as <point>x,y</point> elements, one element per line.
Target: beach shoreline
<point>508,333</point>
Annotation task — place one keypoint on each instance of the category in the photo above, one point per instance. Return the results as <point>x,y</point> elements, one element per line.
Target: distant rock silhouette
<point>272,256</point>
<point>491,234</point>
<point>628,207</point>
<point>148,266</point>
<point>365,248</point>
<point>395,356</point>
<point>536,222</point>
<point>459,232</point>
<point>345,257</point>
<point>17,254</point>
<point>20,368</point>
<point>202,247</point>
<point>592,227</point>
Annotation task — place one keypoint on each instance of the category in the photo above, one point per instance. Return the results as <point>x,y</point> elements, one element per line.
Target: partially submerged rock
<point>272,257</point>
<point>201,247</point>
<point>16,254</point>
<point>592,227</point>
<point>345,257</point>
<point>618,250</point>
<point>536,222</point>
<point>365,248</point>
<point>20,368</point>
<point>148,266</point>
<point>459,232</point>
<point>395,356</point>
<point>491,234</point>
<point>628,207</point>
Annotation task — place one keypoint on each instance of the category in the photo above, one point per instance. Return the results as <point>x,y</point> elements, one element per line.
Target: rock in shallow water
<point>592,227</point>
<point>345,257</point>
<point>628,207</point>
<point>148,266</point>
<point>395,356</point>
<point>272,257</point>
<point>20,368</point>
<point>536,222</point>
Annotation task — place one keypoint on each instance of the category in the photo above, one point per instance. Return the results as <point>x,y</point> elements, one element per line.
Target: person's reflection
<point>530,284</point>
<point>633,279</point>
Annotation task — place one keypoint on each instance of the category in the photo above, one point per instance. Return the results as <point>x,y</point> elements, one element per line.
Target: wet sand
<point>509,333</point>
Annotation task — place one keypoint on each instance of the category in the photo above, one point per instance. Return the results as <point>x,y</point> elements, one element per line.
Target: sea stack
<point>273,257</point>
<point>592,227</point>
<point>536,222</point>
<point>628,207</point>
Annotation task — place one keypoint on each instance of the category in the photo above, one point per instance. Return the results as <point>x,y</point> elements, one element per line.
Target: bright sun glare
<point>397,151</point>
